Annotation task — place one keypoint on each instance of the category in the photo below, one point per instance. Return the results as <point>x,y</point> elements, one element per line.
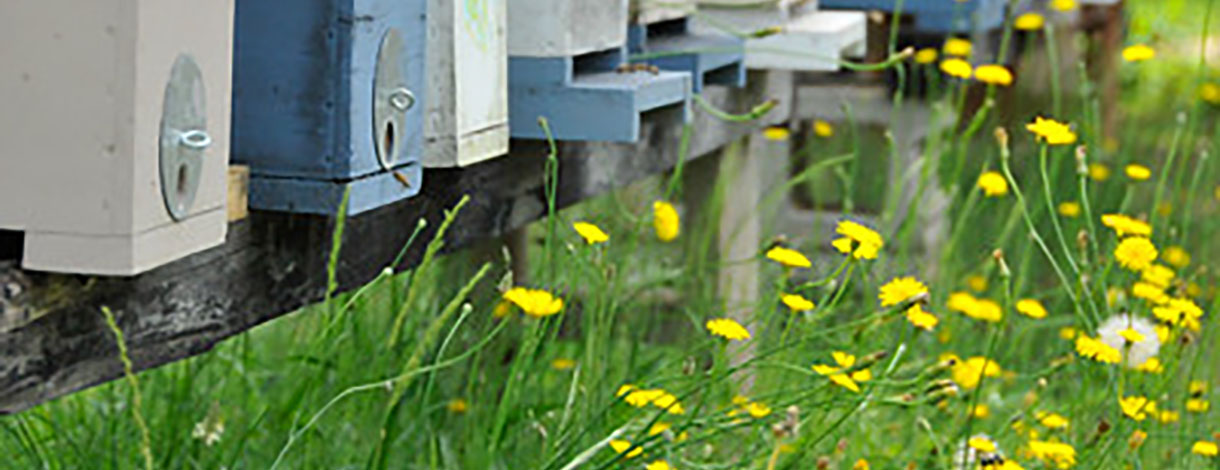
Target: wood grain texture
<point>53,339</point>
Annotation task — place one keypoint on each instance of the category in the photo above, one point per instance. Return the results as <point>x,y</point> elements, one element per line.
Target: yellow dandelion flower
<point>1051,131</point>
<point>1138,172</point>
<point>1052,420</point>
<point>1029,22</point>
<point>901,289</point>
<point>457,406</point>
<point>1197,387</point>
<point>1151,366</point>
<point>788,257</point>
<point>1210,93</point>
<point>957,47</point>
<point>978,309</point>
<point>1168,416</point>
<point>1150,292</point>
<point>1031,308</point>
<point>982,444</point>
<point>993,74</point>
<point>956,68</point>
<point>993,184</point>
<point>1097,350</point>
<point>659,428</point>
<point>665,221</point>
<point>776,133</point>
<point>1068,333</point>
<point>797,303</point>
<point>823,129</point>
<point>1205,448</point>
<point>1138,53</point>
<point>1135,253</point>
<point>758,410</point>
<point>1060,454</point>
<point>591,233</point>
<point>977,283</point>
<point>1099,172</point>
<point>968,373</point>
<point>1176,256</point>
<point>534,302</point>
<point>1158,274</point>
<point>861,464</point>
<point>1063,5</point>
<point>658,465</point>
<point>1124,225</point>
<point>860,241</point>
<point>1130,335</point>
<point>502,309</point>
<point>926,55</point>
<point>562,364</point>
<point>921,319</point>
<point>621,446</point>
<point>981,411</point>
<point>839,375</point>
<point>1137,407</point>
<point>1070,209</point>
<point>1198,405</point>
<point>728,329</point>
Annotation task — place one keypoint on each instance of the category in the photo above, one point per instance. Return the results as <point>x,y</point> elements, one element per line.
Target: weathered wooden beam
<point>53,340</point>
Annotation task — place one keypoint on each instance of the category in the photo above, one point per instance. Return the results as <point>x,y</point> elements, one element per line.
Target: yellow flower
<point>840,375</point>
<point>1068,332</point>
<point>993,184</point>
<point>993,74</point>
<point>591,233</point>
<point>956,68</point>
<point>797,303</point>
<point>957,47</point>
<point>1099,172</point>
<point>1197,405</point>
<point>665,220</point>
<point>1158,275</point>
<point>1029,22</point>
<point>621,446</point>
<point>982,411</point>
<point>758,410</point>
<point>659,465</point>
<point>926,55</point>
<point>860,465</point>
<point>1131,335</point>
<point>728,328</point>
<point>978,309</point>
<point>788,257</point>
<point>1168,416</point>
<point>1135,253</point>
<point>1205,448</point>
<point>1137,439</point>
<point>1031,308</point>
<point>1124,225</point>
<point>1138,53</point>
<point>775,133</point>
<point>1052,420</point>
<point>920,318</point>
<point>1197,387</point>
<point>1060,454</point>
<point>1097,350</point>
<point>1069,209</point>
<point>901,289</point>
<point>562,363</point>
<point>1138,172</point>
<point>457,406</point>
<point>1210,93</point>
<point>860,241</point>
<point>1151,366</point>
<point>982,444</point>
<point>1176,256</point>
<point>977,283</point>
<point>534,302</point>
<point>1051,131</point>
<point>1137,407</point>
<point>823,129</point>
<point>1063,5</point>
<point>970,372</point>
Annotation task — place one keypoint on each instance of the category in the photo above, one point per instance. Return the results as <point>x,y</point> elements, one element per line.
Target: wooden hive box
<point>661,34</point>
<point>329,95</point>
<point>467,82</point>
<point>114,133</point>
<point>800,36</point>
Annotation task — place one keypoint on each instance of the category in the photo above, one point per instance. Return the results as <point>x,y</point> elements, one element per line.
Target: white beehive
<point>655,11</point>
<point>565,28</point>
<point>467,82</point>
<point>803,37</point>
<point>114,130</point>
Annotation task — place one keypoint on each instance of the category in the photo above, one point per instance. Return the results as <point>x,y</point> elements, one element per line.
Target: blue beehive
<point>670,45</point>
<point>328,96</point>
<point>568,63</point>
<point>935,16</point>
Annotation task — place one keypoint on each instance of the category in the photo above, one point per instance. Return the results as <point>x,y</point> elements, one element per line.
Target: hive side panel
<point>440,149</point>
<point>482,79</point>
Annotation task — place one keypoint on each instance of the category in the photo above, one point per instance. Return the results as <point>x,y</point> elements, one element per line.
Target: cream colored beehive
<point>803,38</point>
<point>114,130</point>
<point>565,28</point>
<point>655,11</point>
<point>467,82</point>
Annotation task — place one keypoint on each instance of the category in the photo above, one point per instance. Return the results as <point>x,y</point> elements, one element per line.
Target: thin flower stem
<point>1063,245</point>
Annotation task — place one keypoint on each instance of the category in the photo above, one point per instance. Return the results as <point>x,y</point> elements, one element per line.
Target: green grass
<point>374,378</point>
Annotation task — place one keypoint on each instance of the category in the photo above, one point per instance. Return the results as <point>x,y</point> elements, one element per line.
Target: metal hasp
<point>711,59</point>
<point>935,16</point>
<point>568,63</point>
<point>114,131</point>
<point>329,97</point>
<point>802,37</point>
